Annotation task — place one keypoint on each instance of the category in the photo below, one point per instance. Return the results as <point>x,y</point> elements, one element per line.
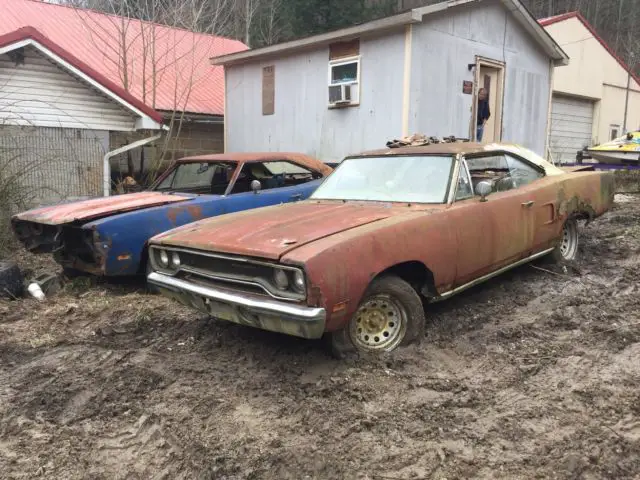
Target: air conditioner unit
<point>339,94</point>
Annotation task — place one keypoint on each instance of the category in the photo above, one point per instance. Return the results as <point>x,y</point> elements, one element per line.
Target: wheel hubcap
<point>569,241</point>
<point>379,324</point>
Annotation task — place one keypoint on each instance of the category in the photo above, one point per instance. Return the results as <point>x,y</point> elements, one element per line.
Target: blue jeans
<point>479,133</point>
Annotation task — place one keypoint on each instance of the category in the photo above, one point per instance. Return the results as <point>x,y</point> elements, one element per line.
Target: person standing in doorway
<point>483,112</point>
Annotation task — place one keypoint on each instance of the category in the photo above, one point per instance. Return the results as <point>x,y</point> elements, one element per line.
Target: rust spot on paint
<point>194,211</point>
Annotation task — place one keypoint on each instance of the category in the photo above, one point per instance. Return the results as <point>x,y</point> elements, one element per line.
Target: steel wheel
<point>379,324</point>
<point>569,243</point>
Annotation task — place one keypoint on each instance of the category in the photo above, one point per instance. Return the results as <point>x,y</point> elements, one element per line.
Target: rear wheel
<point>390,315</point>
<point>567,248</point>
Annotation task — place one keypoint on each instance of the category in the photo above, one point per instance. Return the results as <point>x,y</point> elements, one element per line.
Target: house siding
<point>443,47</point>
<point>39,93</point>
<point>302,120</point>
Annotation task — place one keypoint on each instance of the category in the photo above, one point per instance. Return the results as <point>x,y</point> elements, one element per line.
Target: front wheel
<point>390,315</point>
<point>567,248</point>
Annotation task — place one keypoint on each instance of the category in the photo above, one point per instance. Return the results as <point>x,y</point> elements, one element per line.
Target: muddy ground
<point>532,375</point>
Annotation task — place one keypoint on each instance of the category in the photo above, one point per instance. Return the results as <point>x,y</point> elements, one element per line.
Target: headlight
<point>298,282</point>
<point>175,260</point>
<point>164,258</point>
<point>280,278</point>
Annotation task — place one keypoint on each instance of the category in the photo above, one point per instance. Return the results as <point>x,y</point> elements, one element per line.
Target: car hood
<point>98,207</point>
<point>273,231</point>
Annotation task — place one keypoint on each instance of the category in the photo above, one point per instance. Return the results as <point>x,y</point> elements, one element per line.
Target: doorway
<point>490,77</point>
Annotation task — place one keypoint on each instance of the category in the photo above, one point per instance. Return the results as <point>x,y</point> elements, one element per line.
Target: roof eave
<point>148,118</point>
<point>546,41</point>
<point>376,26</point>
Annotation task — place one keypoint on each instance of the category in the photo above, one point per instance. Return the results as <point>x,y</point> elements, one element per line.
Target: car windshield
<point>411,179</point>
<point>198,177</point>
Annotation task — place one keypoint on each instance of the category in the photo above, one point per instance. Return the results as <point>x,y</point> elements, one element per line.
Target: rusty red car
<point>386,233</point>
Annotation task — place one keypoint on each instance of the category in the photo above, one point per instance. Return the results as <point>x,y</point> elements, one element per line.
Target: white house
<point>596,98</point>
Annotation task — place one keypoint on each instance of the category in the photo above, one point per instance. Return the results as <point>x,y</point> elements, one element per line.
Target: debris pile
<point>419,140</point>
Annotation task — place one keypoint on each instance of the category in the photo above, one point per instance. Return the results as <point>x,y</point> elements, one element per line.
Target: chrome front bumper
<point>244,309</point>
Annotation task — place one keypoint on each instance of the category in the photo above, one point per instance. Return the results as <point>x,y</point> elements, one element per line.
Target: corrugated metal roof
<point>185,79</point>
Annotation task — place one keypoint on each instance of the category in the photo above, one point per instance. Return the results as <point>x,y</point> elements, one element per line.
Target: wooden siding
<point>40,93</point>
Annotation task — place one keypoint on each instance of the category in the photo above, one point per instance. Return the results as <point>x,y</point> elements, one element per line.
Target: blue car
<point>108,236</point>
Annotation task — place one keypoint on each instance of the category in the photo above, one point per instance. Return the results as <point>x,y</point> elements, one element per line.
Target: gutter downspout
<point>626,103</point>
<point>106,165</point>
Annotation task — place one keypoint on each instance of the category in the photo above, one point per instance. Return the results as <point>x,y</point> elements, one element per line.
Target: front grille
<point>238,273</point>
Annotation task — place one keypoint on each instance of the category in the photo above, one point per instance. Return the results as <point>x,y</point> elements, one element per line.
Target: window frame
<point>241,166</point>
<point>505,153</point>
<point>171,172</point>
<point>448,191</point>
<point>612,128</point>
<point>357,59</point>
<point>463,166</point>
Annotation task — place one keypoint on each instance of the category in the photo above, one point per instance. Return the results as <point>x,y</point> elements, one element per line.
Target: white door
<point>571,127</point>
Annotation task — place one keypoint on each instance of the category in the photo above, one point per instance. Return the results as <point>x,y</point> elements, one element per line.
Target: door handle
<point>528,204</point>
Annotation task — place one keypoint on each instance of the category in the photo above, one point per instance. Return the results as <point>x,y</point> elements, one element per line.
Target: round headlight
<point>164,258</point>
<point>175,260</point>
<point>280,278</point>
<point>298,281</point>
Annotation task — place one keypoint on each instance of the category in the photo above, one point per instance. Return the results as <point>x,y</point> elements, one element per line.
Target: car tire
<point>567,249</point>
<point>391,314</point>
<point>11,281</point>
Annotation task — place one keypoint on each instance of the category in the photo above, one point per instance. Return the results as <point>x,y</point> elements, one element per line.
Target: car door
<point>499,230</point>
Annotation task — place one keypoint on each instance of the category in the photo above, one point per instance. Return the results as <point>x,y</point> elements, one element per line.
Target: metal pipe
<point>106,165</point>
<point>626,103</point>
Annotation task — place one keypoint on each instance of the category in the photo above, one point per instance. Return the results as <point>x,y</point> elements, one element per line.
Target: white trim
<point>353,83</point>
<point>339,62</point>
<point>106,166</point>
<point>149,122</point>
<point>406,86</point>
<point>547,140</point>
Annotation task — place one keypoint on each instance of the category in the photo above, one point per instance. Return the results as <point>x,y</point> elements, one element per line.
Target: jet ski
<point>625,149</point>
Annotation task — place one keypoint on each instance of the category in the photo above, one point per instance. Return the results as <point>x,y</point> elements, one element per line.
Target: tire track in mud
<point>535,374</point>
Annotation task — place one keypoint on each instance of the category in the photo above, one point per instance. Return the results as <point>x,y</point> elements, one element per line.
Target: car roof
<point>464,148</point>
<point>252,157</point>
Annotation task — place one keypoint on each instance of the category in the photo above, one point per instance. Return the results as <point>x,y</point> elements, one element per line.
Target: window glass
<point>200,177</point>
<point>285,168</point>
<point>504,172</point>
<point>392,178</point>
<point>464,187</point>
<point>276,174</point>
<point>344,73</point>
<point>522,173</point>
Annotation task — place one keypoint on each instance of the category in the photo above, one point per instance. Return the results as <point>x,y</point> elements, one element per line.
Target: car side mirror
<point>483,189</point>
<point>256,186</point>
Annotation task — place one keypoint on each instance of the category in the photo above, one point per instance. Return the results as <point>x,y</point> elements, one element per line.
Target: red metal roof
<point>31,33</point>
<point>185,79</point>
<point>545,22</point>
